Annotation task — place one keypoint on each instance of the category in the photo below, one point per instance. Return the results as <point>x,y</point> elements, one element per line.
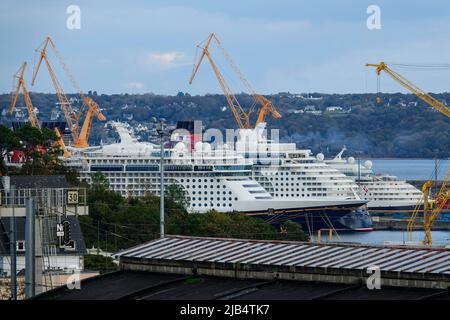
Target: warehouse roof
<point>33,182</point>
<point>293,254</point>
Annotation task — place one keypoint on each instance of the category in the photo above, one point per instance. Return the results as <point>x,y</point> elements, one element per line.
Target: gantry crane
<point>21,85</point>
<point>430,209</point>
<point>81,136</point>
<point>241,116</point>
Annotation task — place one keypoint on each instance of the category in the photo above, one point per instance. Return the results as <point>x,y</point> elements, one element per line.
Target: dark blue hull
<point>341,219</point>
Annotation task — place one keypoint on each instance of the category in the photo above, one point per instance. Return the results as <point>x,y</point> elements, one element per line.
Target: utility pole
<point>12,239</point>
<point>30,248</point>
<point>359,169</point>
<point>160,127</point>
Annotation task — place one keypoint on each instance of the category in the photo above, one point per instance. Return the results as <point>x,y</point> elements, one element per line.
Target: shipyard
<point>230,162</point>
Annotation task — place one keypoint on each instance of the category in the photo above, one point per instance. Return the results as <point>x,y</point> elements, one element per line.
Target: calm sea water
<point>407,169</point>
<point>379,237</point>
<point>410,169</point>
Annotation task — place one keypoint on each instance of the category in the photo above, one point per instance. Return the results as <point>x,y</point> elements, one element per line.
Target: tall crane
<point>436,104</point>
<point>89,107</point>
<point>242,117</point>
<point>430,210</point>
<point>72,118</point>
<point>21,85</point>
<point>31,114</point>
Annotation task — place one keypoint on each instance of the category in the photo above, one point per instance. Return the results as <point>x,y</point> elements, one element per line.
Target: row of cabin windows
<point>205,186</point>
<point>303,195</point>
<point>211,204</point>
<point>292,179</point>
<point>211,199</point>
<point>211,192</point>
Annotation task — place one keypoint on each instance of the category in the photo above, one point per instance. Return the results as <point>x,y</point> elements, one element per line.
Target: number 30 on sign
<point>72,197</point>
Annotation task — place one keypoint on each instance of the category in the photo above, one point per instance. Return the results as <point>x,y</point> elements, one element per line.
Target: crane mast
<point>71,117</point>
<point>21,85</point>
<point>267,106</point>
<point>240,115</point>
<point>242,118</point>
<point>80,135</point>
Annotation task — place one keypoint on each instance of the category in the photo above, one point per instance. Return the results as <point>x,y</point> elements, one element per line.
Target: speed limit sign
<point>72,197</point>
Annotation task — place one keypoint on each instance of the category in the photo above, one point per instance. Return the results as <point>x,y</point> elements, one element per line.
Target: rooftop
<point>182,267</point>
<point>134,285</point>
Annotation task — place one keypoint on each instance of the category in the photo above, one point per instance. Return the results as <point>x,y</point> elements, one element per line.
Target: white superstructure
<point>384,192</point>
<point>290,173</point>
<point>218,178</point>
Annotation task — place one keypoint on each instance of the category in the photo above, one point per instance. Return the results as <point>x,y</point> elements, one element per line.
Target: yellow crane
<point>430,212</point>
<point>72,118</point>
<point>241,116</point>
<point>21,85</point>
<point>31,114</point>
<point>431,209</point>
<point>81,136</point>
<point>436,104</point>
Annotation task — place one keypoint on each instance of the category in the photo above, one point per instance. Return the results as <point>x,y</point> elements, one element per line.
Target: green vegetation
<point>99,263</point>
<point>41,157</point>
<point>115,222</point>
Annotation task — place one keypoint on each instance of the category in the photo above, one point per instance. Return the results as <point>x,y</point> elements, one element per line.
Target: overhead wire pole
<point>30,249</point>
<point>12,244</point>
<point>160,130</point>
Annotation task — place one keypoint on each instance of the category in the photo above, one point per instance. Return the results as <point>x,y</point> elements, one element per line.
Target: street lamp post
<point>160,127</point>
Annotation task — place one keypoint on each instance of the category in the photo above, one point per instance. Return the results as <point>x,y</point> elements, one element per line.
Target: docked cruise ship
<point>385,193</point>
<point>290,173</point>
<point>217,178</point>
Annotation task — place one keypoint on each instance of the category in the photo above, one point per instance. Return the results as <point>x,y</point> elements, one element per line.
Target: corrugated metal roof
<point>298,254</point>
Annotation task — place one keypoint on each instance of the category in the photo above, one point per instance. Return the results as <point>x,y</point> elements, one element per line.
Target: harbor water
<point>381,236</point>
<point>405,169</point>
<point>410,169</point>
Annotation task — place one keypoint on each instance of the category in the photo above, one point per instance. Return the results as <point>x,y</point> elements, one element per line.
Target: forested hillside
<point>401,126</point>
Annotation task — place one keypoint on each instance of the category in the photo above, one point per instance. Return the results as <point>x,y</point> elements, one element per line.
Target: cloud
<point>165,60</point>
<point>136,85</point>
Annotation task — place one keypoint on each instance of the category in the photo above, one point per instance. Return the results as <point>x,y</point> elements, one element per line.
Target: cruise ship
<point>216,178</point>
<point>385,193</point>
<point>290,173</point>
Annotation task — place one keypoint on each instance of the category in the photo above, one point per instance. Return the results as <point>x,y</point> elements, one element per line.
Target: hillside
<point>402,126</point>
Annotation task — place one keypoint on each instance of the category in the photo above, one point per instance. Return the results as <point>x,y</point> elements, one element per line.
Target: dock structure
<point>411,267</point>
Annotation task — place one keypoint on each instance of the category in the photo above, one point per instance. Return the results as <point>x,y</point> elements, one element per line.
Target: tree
<point>292,231</point>
<point>99,182</point>
<point>41,157</point>
<point>177,194</point>
<point>8,142</point>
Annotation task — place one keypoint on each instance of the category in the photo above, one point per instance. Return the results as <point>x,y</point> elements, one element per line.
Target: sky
<point>296,46</point>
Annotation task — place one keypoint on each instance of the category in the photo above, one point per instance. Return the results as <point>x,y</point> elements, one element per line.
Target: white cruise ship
<point>219,179</point>
<point>290,173</point>
<point>385,193</point>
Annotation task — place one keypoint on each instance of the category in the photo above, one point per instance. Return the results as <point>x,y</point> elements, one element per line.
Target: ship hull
<point>346,217</point>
